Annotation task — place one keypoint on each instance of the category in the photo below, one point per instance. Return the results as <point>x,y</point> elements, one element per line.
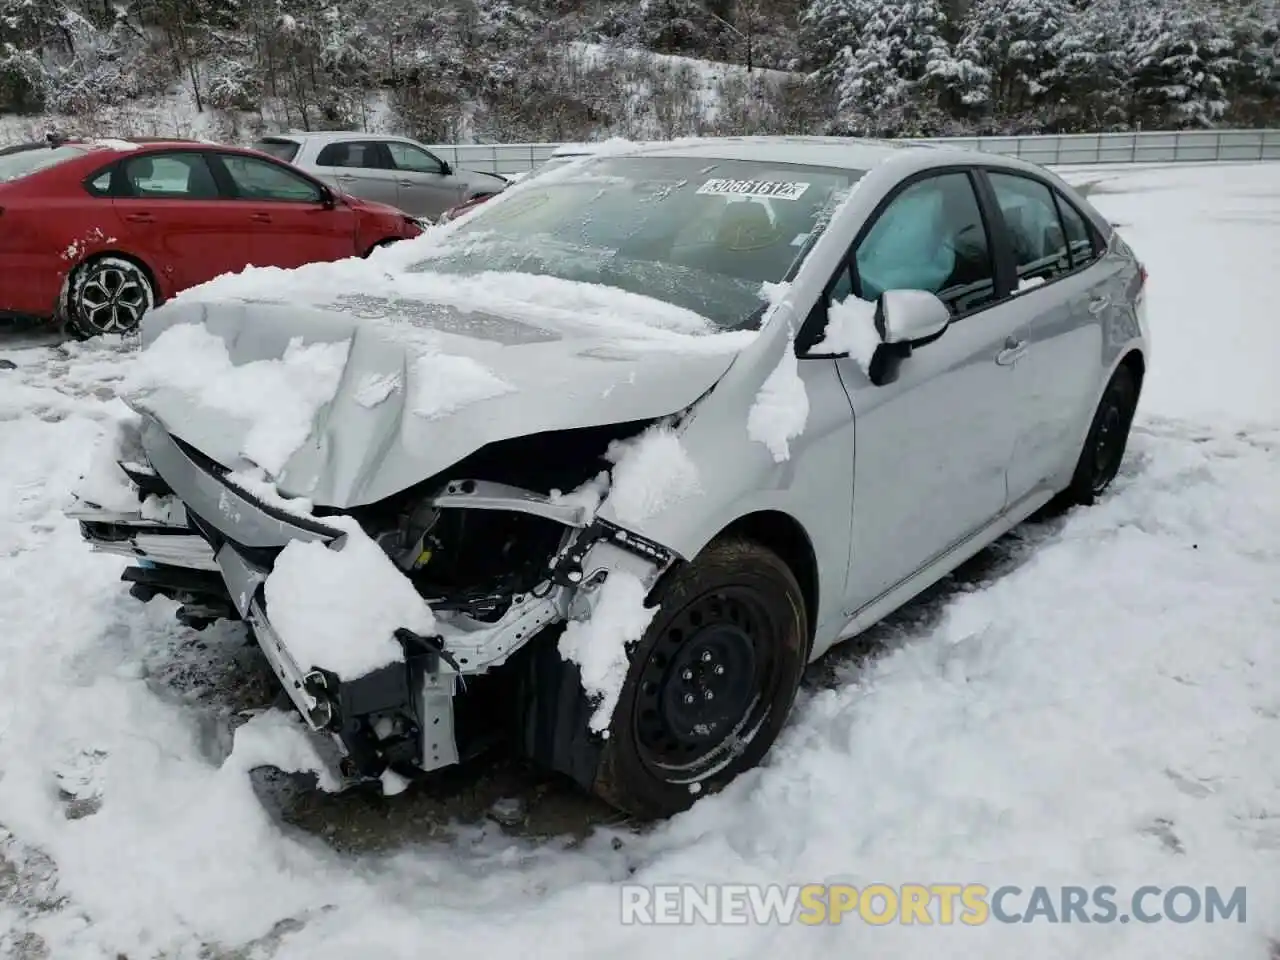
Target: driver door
<point>933,448</point>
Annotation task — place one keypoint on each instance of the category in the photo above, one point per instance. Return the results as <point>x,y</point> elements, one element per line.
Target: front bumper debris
<point>211,545</point>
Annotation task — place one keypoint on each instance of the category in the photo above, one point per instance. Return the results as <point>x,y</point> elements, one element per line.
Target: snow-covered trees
<point>918,66</point>
<point>506,69</point>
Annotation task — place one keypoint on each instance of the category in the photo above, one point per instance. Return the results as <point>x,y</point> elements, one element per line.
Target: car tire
<point>108,295</point>
<point>733,624</point>
<point>1108,436</point>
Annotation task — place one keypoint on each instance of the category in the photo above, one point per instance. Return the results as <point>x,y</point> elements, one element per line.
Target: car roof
<point>327,135</point>
<point>848,153</point>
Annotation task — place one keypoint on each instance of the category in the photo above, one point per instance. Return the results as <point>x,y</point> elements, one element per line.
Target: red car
<point>94,233</point>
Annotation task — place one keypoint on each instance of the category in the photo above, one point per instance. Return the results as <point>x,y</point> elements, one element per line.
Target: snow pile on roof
<point>851,329</point>
<point>338,608</point>
<point>279,398</point>
<point>781,408</point>
<point>105,484</point>
<point>651,473</point>
<point>444,383</point>
<point>599,644</point>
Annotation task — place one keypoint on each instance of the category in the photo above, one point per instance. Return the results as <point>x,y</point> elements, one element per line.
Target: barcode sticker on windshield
<point>776,189</point>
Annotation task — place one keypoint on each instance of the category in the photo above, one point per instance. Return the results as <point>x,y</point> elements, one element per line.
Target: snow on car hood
<point>347,403</point>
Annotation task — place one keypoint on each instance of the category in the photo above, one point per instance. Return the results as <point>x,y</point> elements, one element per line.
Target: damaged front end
<point>498,554</point>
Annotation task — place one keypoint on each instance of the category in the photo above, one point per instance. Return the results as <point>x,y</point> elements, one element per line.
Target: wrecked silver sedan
<point>600,468</point>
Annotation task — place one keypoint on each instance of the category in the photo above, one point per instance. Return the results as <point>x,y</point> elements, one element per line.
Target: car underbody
<point>502,558</point>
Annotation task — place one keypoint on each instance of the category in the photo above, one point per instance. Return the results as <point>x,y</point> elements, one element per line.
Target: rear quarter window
<point>284,150</point>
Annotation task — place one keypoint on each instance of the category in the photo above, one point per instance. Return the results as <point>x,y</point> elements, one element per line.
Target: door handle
<point>347,178</point>
<point>139,218</point>
<point>1012,352</point>
<point>406,183</point>
<point>260,217</point>
<point>1098,304</point>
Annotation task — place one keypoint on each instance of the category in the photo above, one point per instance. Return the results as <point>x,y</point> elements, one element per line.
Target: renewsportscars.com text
<point>969,904</point>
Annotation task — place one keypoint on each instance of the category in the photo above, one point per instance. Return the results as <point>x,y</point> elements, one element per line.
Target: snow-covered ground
<point>1095,701</point>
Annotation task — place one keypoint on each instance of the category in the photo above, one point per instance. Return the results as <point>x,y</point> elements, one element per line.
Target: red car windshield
<point>23,163</point>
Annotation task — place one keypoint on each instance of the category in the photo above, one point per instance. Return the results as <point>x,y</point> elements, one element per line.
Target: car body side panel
<point>738,476</point>
<point>933,450</point>
<point>1057,378</point>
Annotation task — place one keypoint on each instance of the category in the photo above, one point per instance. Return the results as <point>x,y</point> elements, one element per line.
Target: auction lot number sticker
<point>775,189</point>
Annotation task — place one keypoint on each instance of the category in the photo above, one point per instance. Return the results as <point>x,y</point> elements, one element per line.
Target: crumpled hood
<point>410,398</point>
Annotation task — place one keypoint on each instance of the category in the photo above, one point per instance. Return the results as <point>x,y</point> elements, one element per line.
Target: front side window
<point>351,153</point>
<point>169,176</point>
<point>930,237</point>
<point>414,159</point>
<point>697,232</point>
<point>1034,230</point>
<point>257,179</point>
<point>23,163</point>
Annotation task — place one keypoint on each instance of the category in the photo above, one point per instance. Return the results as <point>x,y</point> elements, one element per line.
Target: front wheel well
<point>1137,366</point>
<point>785,536</point>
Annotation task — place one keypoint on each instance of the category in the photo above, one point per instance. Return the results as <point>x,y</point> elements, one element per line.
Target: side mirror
<point>445,169</point>
<point>905,319</point>
<point>328,199</point>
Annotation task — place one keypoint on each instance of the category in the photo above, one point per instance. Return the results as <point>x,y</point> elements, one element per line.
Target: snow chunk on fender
<point>781,408</point>
<point>651,472</point>
<point>598,645</point>
<point>337,608</point>
<point>851,329</point>
<point>278,398</point>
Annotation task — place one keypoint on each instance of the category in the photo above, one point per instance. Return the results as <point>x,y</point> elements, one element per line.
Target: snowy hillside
<point>513,70</point>
<point>1095,700</point>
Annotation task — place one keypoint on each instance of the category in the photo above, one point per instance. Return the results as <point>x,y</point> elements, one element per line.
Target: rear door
<point>361,168</point>
<point>291,222</point>
<point>1061,293</point>
<point>425,189</point>
<point>173,213</point>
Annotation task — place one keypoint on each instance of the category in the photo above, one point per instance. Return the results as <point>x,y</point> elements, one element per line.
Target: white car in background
<point>383,168</point>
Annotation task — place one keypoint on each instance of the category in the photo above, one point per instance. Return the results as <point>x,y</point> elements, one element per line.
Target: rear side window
<point>1079,239</point>
<point>284,150</point>
<point>351,153</point>
<point>23,163</point>
<point>169,176</point>
<point>1035,232</point>
<point>930,237</point>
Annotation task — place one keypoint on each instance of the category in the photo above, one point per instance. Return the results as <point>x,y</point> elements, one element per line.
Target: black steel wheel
<point>108,295</point>
<point>1108,437</point>
<point>710,684</point>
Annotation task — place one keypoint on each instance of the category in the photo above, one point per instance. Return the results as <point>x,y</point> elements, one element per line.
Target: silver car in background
<point>387,169</point>
<point>905,352</point>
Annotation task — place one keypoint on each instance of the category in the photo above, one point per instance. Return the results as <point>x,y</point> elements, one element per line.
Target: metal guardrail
<point>1189,146</point>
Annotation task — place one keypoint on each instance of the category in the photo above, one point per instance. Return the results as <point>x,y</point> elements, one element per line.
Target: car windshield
<point>22,163</point>
<point>700,233</point>
<point>284,150</point>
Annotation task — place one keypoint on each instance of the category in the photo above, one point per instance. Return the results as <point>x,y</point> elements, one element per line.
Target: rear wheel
<point>710,684</point>
<point>1107,439</point>
<point>108,295</point>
